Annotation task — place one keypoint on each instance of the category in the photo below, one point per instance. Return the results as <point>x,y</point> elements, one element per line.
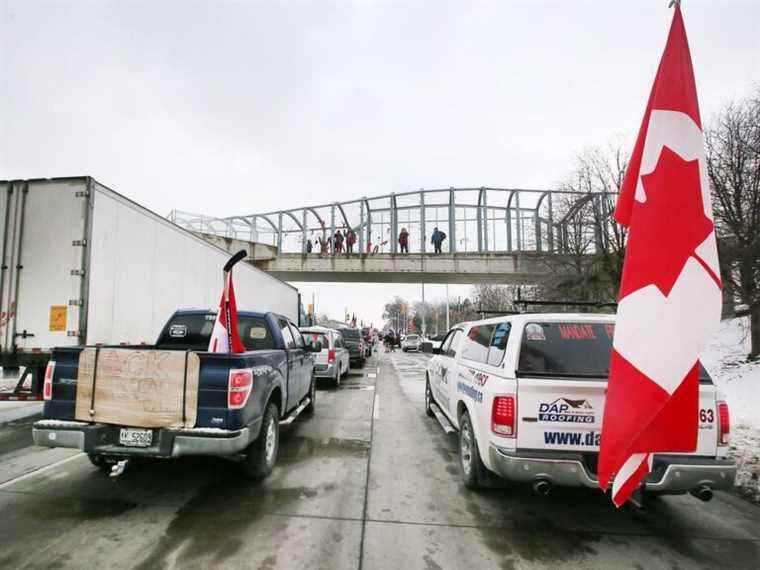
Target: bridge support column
<point>361,226</point>
<point>478,224</point>
<point>304,233</point>
<point>332,229</point>
<point>394,225</point>
<point>279,233</point>
<point>508,221</point>
<point>423,236</point>
<point>551,225</point>
<point>452,222</point>
<point>519,222</point>
<point>485,219</point>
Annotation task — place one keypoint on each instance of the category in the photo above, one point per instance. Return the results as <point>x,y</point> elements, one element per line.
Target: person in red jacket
<point>403,240</point>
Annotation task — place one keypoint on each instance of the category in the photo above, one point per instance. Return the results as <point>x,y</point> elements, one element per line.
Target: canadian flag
<point>224,336</point>
<point>670,293</point>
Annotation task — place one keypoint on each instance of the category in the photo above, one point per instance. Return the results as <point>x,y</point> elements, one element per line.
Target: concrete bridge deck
<point>466,268</point>
<point>408,268</point>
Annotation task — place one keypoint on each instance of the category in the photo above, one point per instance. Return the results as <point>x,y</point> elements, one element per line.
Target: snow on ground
<point>726,360</point>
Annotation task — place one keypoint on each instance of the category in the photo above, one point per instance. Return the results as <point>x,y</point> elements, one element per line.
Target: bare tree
<point>733,165</point>
<point>591,244</point>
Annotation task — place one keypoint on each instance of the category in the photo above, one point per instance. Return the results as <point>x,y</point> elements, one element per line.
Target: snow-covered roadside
<point>726,360</point>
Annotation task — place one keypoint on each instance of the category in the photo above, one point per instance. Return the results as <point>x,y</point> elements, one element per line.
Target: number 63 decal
<point>706,416</point>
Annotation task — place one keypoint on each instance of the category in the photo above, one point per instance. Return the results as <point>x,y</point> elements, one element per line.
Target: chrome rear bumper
<point>672,474</point>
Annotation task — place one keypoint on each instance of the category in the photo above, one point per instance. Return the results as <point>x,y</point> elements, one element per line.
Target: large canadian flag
<point>224,336</point>
<point>670,293</point>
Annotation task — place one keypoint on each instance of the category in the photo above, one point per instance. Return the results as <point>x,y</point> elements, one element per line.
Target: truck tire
<point>309,409</point>
<point>473,470</point>
<point>261,455</point>
<point>428,399</point>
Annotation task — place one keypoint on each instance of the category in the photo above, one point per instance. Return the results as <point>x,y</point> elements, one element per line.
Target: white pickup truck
<point>526,394</point>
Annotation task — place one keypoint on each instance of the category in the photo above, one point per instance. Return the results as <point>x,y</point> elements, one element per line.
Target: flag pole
<point>227,273</point>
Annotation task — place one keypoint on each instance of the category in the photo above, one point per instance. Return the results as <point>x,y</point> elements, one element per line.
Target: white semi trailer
<point>82,264</point>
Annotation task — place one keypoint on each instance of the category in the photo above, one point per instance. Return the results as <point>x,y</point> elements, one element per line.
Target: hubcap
<point>465,448</point>
<point>271,441</point>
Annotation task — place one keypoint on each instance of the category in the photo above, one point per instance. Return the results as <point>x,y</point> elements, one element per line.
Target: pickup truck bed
<point>235,393</point>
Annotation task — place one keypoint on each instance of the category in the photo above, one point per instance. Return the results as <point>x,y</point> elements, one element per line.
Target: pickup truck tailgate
<point>566,414</point>
<point>562,382</point>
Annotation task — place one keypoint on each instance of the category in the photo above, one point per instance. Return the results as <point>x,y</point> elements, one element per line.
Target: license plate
<point>135,437</point>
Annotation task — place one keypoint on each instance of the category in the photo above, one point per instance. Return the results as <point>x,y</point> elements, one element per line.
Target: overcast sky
<point>240,107</point>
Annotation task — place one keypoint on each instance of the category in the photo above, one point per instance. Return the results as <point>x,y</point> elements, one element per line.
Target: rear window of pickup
<point>571,349</point>
<point>192,331</point>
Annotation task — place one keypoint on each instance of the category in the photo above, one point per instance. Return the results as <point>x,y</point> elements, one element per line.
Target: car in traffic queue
<point>369,341</point>
<point>233,408</point>
<point>411,342</point>
<point>331,357</point>
<point>437,340</point>
<point>355,344</point>
<point>526,395</point>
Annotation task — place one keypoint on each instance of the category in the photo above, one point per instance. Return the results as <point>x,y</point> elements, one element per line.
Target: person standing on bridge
<point>308,246</point>
<point>403,240</point>
<point>338,242</point>
<point>350,241</point>
<point>437,239</point>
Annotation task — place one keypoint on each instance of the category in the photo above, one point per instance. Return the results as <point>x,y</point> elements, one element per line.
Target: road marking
<point>376,407</point>
<point>39,471</point>
<point>371,375</point>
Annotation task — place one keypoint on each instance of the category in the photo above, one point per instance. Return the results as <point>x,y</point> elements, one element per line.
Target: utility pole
<point>448,326</point>
<point>424,310</point>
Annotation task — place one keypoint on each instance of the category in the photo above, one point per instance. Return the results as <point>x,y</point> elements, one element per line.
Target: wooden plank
<point>135,387</point>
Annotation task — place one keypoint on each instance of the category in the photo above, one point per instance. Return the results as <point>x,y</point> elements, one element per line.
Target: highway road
<point>369,482</point>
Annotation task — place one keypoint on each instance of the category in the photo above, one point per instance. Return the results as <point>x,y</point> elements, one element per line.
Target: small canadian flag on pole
<point>224,336</point>
<point>670,292</point>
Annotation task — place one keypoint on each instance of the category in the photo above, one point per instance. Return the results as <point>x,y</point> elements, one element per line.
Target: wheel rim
<point>465,448</point>
<point>271,441</point>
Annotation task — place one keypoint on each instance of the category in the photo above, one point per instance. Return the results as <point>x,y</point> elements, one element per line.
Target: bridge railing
<point>474,220</point>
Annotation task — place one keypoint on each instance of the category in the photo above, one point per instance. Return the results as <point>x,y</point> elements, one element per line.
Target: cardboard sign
<point>139,388</point>
<point>58,318</point>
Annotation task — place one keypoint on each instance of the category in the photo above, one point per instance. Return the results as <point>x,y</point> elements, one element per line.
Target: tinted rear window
<point>311,338</point>
<point>573,349</point>
<point>351,333</point>
<point>193,332</point>
<point>570,349</point>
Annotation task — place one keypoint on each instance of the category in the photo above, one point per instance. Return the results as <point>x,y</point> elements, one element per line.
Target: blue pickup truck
<point>242,398</point>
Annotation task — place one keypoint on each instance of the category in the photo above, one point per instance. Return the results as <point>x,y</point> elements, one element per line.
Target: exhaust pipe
<point>118,468</point>
<point>703,493</point>
<point>542,487</point>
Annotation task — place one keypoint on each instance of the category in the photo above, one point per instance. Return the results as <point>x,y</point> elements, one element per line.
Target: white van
<point>526,394</point>
<point>333,360</point>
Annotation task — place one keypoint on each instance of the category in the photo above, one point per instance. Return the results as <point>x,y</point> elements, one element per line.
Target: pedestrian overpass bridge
<point>494,235</point>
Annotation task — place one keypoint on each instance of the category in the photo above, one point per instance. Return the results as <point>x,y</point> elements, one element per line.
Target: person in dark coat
<point>437,239</point>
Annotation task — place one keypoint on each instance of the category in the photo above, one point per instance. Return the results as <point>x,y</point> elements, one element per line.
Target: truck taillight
<point>239,388</point>
<point>724,423</point>
<point>47,386</point>
<point>331,355</point>
<point>503,415</point>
